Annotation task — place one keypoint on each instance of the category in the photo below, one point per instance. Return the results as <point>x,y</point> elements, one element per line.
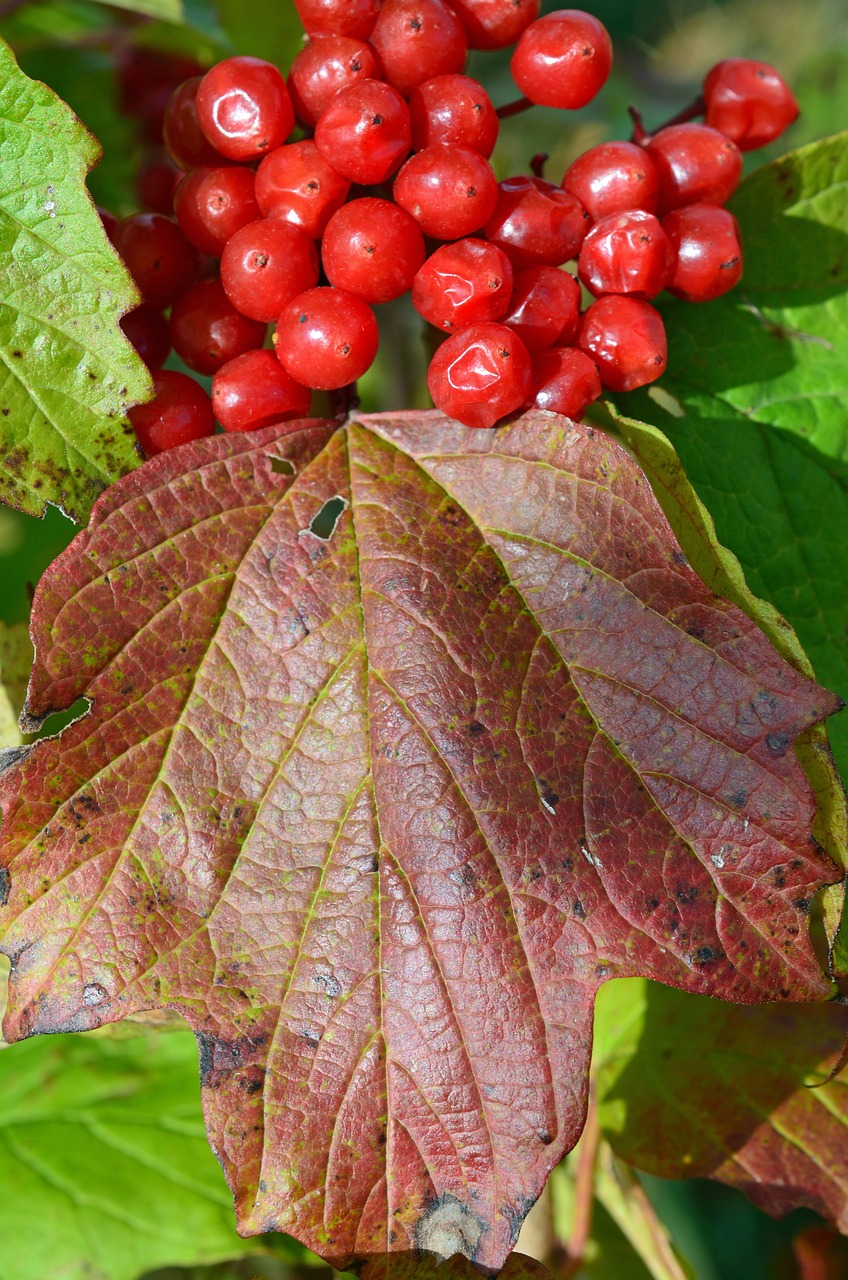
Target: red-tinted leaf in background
<point>378,811</point>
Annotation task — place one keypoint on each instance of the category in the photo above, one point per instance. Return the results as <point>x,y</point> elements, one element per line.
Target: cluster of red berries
<point>389,190</point>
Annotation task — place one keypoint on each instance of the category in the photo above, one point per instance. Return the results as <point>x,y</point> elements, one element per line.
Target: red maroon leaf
<point>378,811</point>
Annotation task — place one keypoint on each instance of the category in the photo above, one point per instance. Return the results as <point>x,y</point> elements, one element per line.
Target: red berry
<point>626,339</point>
<point>243,107</point>
<point>156,180</point>
<point>181,411</point>
<point>565,381</point>
<point>562,59</point>
<point>480,374</point>
<point>418,39</point>
<point>612,178</point>
<point>146,80</point>
<point>544,308</point>
<point>372,248</point>
<point>364,132</point>
<point>626,253</point>
<point>254,390</point>
<point>110,222</point>
<point>148,332</point>
<point>158,257</point>
<point>325,65</point>
<point>467,282</point>
<point>708,250</point>
<point>338,17</point>
<point>326,338</point>
<point>453,111</point>
<point>495,24</point>
<point>207,330</point>
<point>265,265</point>
<point>296,185</point>
<point>696,165</point>
<point>187,144</point>
<point>536,223</point>
<point>748,102</point>
<point>213,204</point>
<point>450,191</point>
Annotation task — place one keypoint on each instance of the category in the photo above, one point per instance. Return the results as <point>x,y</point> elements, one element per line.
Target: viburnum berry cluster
<point>307,202</point>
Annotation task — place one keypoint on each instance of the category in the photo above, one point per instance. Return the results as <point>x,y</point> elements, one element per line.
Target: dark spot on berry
<point>301,319</point>
<point>378,119</point>
<point>731,262</point>
<point>471,192</point>
<point>355,65</point>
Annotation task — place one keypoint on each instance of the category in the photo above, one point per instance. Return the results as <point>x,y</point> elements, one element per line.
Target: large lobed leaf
<point>67,374</point>
<point>379,810</point>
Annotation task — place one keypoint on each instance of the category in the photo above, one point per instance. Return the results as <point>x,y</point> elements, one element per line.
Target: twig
<point>584,1192</point>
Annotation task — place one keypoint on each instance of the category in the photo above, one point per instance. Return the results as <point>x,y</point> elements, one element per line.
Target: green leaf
<point>15,662</point>
<point>165,10</point>
<point>67,374</point>
<point>262,25</point>
<point>754,401</point>
<point>103,1140</point>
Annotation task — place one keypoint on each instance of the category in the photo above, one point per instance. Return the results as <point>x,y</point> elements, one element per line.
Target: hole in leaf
<point>56,721</point>
<point>323,525</point>
<point>281,466</point>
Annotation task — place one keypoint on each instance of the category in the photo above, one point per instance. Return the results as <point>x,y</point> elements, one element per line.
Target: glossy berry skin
<point>416,40</point>
<point>626,339</point>
<point>544,308</point>
<point>372,248</point>
<point>562,59</point>
<point>696,165</point>
<point>495,24</point>
<point>148,332</point>
<point>325,65</point>
<point>565,381</point>
<point>265,265</point>
<point>748,102</point>
<point>480,375</point>
<point>536,223</point>
<point>244,108</point>
<point>187,144</point>
<point>181,411</point>
<point>296,185</point>
<point>453,111</point>
<point>254,390</point>
<point>354,18</point>
<point>364,133</point>
<point>206,330</point>
<point>326,338</point>
<point>467,282</point>
<point>450,191</point>
<point>612,178</point>
<point>213,204</point>
<point>158,257</point>
<point>626,253</point>
<point>708,251</point>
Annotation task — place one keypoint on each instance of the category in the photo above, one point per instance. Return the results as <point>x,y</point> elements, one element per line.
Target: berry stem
<point>538,162</point>
<point>344,400</point>
<point>640,135</point>
<point>514,108</point>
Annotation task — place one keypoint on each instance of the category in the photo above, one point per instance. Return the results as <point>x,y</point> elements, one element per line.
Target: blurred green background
<point>663,48</point>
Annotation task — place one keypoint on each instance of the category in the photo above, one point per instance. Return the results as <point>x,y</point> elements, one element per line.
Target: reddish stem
<point>344,400</point>
<point>514,108</point>
<point>537,164</point>
<point>640,135</point>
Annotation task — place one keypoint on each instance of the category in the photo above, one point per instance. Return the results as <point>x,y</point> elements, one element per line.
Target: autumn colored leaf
<point>695,1087</point>
<point>403,739</point>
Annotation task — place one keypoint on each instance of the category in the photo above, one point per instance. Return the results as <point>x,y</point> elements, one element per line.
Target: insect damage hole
<point>323,524</point>
<point>281,466</point>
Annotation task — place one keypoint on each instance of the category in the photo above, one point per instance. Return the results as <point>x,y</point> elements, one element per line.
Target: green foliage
<point>15,662</point>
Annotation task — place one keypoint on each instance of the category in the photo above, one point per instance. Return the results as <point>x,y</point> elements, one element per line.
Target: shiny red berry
<point>265,265</point>
<point>708,251</point>
<point>749,102</point>
<point>325,65</point>
<point>187,144</point>
<point>254,390</point>
<point>544,308</point>
<point>295,184</point>
<point>626,339</point>
<point>495,24</point>
<point>338,17</point>
<point>565,381</point>
<point>372,248</point>
<point>158,257</point>
<point>467,282</point>
<point>243,108</point>
<point>364,132</point>
<point>626,253</point>
<point>207,330</point>
<point>480,374</point>
<point>612,178</point>
<point>326,338</point>
<point>450,191</point>
<point>181,411</point>
<point>536,223</point>
<point>696,165</point>
<point>148,332</point>
<point>562,59</point>
<point>453,111</point>
<point>418,39</point>
<point>213,204</point>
